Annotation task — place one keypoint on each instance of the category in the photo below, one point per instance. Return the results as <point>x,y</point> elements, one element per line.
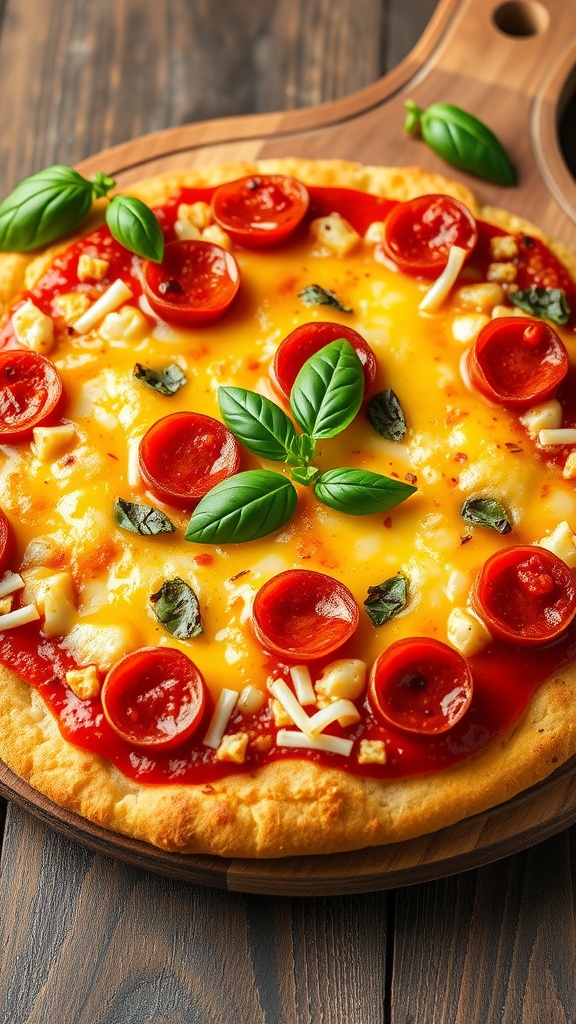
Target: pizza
<point>287,517</point>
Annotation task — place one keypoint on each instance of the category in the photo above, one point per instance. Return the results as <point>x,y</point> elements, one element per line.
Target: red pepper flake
<point>411,478</point>
<point>465,538</point>
<point>112,456</point>
<point>239,575</point>
<point>388,522</point>
<point>460,457</point>
<point>204,559</point>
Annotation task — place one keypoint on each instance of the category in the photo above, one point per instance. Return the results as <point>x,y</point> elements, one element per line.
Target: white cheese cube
<point>72,305</point>
<point>92,268</point>
<point>466,632</point>
<point>546,416</point>
<point>504,273</point>
<point>374,233</point>
<point>372,752</point>
<point>199,214</point>
<point>233,748</point>
<point>561,542</point>
<point>100,645</point>
<point>335,233</point>
<point>53,595</point>
<point>481,297</point>
<point>128,324</point>
<point>186,232</point>
<point>84,682</point>
<point>33,328</point>
<point>503,247</point>
<point>50,442</point>
<point>569,470</point>
<point>466,329</point>
<point>345,678</point>
<point>214,233</point>
<point>251,700</point>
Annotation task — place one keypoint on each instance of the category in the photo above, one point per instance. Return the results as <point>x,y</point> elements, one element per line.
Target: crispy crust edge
<point>295,807</point>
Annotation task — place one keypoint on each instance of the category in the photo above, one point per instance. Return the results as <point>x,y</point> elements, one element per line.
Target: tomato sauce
<point>505,678</point>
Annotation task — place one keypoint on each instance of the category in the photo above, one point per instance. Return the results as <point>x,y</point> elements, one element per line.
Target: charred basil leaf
<point>385,414</point>
<point>141,518</point>
<point>177,608</point>
<point>385,600</point>
<point>548,303</point>
<point>486,512</point>
<point>166,381</point>
<point>314,295</point>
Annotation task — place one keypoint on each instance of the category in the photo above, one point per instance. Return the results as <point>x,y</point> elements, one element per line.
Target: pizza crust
<point>288,807</point>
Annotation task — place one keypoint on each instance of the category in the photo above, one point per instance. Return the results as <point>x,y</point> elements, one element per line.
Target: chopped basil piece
<point>386,599</point>
<point>141,518</point>
<point>486,512</point>
<point>548,303</point>
<point>304,474</point>
<point>385,414</point>
<point>314,295</point>
<point>166,381</point>
<point>177,608</point>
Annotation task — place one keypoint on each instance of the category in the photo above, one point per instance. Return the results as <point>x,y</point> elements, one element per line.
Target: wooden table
<point>86,939</point>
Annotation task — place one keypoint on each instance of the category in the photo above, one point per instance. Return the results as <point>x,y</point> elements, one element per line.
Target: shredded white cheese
<point>19,617</point>
<point>332,744</point>
<point>114,296</point>
<point>279,689</point>
<point>219,722</point>
<point>342,710</point>
<point>563,435</point>
<point>305,692</point>
<point>10,582</point>
<point>441,288</point>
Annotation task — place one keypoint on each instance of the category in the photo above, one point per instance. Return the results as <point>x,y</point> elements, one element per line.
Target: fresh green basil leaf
<point>328,390</point>
<point>141,518</point>
<point>304,474</point>
<point>385,414</point>
<point>259,424</point>
<point>166,381</point>
<point>548,303</point>
<point>314,295</point>
<point>43,208</point>
<point>358,492</point>
<point>244,507</point>
<point>461,140</point>
<point>486,512</point>
<point>136,227</point>
<point>385,600</point>
<point>177,608</point>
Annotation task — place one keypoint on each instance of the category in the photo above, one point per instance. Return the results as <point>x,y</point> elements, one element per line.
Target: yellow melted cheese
<point>457,445</point>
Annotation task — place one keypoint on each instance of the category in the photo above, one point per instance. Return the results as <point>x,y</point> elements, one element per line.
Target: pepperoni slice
<point>260,210</point>
<point>196,282</point>
<point>526,595</point>
<point>303,615</point>
<point>6,541</point>
<point>421,685</point>
<point>30,394</point>
<point>155,698</point>
<point>307,339</point>
<point>183,456</point>
<point>517,362</point>
<point>419,234</point>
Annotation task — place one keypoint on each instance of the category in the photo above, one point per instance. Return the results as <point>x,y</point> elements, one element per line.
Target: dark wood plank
<point>497,945</point>
<point>156,950</point>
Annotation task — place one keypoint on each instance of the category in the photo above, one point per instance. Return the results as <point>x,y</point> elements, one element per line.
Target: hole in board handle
<point>521,18</point>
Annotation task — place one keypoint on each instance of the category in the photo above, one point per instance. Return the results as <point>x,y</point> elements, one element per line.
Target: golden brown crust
<point>286,808</point>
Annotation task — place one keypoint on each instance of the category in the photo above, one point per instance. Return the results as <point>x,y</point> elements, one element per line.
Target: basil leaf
<point>166,381</point>
<point>244,507</point>
<point>549,303</point>
<point>304,474</point>
<point>461,140</point>
<point>141,518</point>
<point>136,227</point>
<point>385,600</point>
<point>328,390</point>
<point>358,492</point>
<point>385,414</point>
<point>258,423</point>
<point>44,207</point>
<point>486,512</point>
<point>177,608</point>
<point>314,295</point>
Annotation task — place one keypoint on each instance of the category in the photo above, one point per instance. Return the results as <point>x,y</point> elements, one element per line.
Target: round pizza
<point>287,463</point>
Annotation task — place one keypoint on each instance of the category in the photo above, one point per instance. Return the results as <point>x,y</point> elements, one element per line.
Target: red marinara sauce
<point>504,677</point>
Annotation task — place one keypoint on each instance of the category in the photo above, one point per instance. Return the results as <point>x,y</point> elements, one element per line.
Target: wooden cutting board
<point>512,64</point>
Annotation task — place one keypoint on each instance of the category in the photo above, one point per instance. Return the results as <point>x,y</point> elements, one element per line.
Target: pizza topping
<point>19,617</point>
<point>233,748</point>
<point>84,682</point>
<point>443,285</point>
<point>6,549</point>
<point>302,683</point>
<point>466,632</point>
<point>549,303</point>
<point>92,268</point>
<point>517,362</point>
<point>359,492</point>
<point>420,233</point>
<point>486,512</point>
<point>546,416</point>
<point>166,381</point>
<point>184,455</point>
<point>30,394</point>
<point>387,599</point>
<point>243,508</point>
<point>344,678</point>
<point>306,340</point>
<point>372,752</point>
<point>335,234</point>
<point>196,283</point>
<point>301,741</point>
<point>141,518</point>
<point>525,595</point>
<point>562,542</point>
<point>461,140</point>
<point>33,328</point>
<point>421,685</point>
<point>177,608</point>
<point>301,614</point>
<point>115,295</point>
<point>51,442</point>
<point>154,698</point>
<point>314,295</point>
<point>550,438</point>
<point>260,210</point>
<point>386,416</point>
<point>136,227</point>
<point>219,722</point>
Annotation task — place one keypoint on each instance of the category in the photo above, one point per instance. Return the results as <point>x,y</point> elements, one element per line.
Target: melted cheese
<point>457,445</point>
